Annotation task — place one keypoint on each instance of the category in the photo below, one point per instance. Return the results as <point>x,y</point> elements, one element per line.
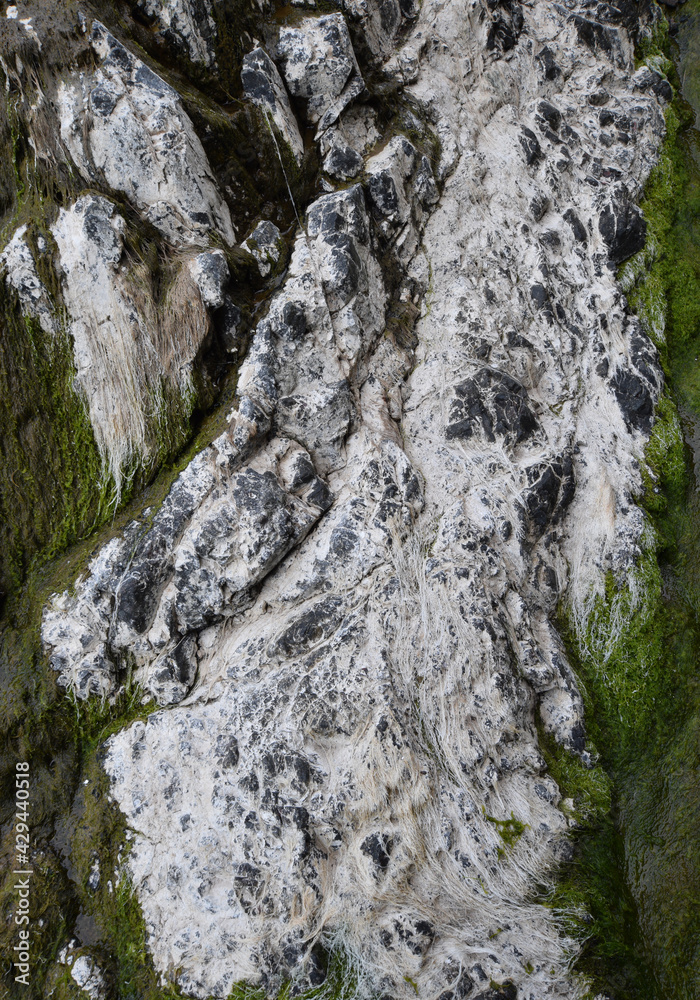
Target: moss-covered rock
<point>635,880</point>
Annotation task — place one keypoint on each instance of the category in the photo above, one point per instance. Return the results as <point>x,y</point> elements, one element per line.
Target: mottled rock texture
<point>263,86</point>
<point>345,604</point>
<point>124,125</point>
<point>188,25</point>
<point>319,67</point>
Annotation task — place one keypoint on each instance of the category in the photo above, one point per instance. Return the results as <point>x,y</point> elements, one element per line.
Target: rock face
<point>187,24</point>
<point>344,606</point>
<point>263,85</point>
<point>130,357</point>
<point>120,265</point>
<point>319,67</point>
<point>121,375</point>
<point>21,274</point>
<point>126,127</point>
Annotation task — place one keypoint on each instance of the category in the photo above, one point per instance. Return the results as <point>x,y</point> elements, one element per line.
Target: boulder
<point>319,67</point>
<point>263,86</point>
<point>265,244</point>
<point>126,128</point>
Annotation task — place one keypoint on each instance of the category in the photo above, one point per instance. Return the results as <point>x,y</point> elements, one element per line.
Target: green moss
<point>627,658</point>
<point>73,825</point>
<point>654,42</point>
<point>592,897</point>
<point>62,742</point>
<point>54,502</point>
<point>244,991</point>
<point>398,114</point>
<point>636,661</point>
<point>236,23</point>
<point>636,656</point>
<point>586,790</point>
<point>52,487</point>
<point>501,991</point>
<point>510,830</point>
<point>340,982</point>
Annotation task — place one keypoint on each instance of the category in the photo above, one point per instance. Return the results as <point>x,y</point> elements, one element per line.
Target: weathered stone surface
<point>21,273</point>
<point>646,78</point>
<point>319,67</point>
<point>622,227</point>
<point>265,244</point>
<point>123,350</point>
<point>209,545</point>
<point>636,388</point>
<point>342,161</point>
<point>379,23</point>
<point>346,603</point>
<point>493,404</point>
<point>85,971</point>
<point>401,188</point>
<point>188,25</point>
<point>235,540</point>
<point>87,974</point>
<point>125,127</point>
<point>263,86</point>
<point>76,628</point>
<point>211,276</point>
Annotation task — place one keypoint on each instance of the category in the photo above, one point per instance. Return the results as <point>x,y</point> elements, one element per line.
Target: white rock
<point>21,274</point>
<point>319,66</point>
<point>357,126</point>
<point>123,348</point>
<point>211,276</point>
<point>88,975</point>
<point>264,244</point>
<point>263,86</point>
<point>94,876</point>
<point>400,185</point>
<point>341,160</point>
<point>126,127</point>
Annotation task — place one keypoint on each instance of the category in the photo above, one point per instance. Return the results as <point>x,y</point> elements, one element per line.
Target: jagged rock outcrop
<point>263,85</point>
<point>121,373</point>
<point>319,67</point>
<point>115,227</point>
<point>21,273</point>
<point>345,604</point>
<point>125,127</point>
<point>188,25</point>
<point>130,356</point>
<point>265,243</point>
